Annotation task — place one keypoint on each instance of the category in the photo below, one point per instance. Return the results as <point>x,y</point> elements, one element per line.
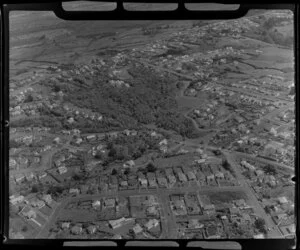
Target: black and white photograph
<point>151,129</point>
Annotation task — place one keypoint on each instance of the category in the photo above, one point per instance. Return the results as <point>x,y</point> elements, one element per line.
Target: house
<point>151,223</point>
<point>289,230</point>
<point>29,176</point>
<point>38,203</point>
<point>74,191</point>
<point>120,222</point>
<point>181,177</point>
<point>282,200</point>
<point>124,183</point>
<point>191,175</point>
<point>209,208</point>
<point>211,232</point>
<point>56,140</point>
<point>78,141</point>
<point>65,225</point>
<point>248,165</point>
<point>129,164</point>
<point>219,175</point>
<point>91,138</point>
<point>28,213</point>
<point>152,210</point>
<point>42,175</point>
<point>143,181</point>
<point>137,229</point>
<point>194,224</point>
<point>91,229</point>
<point>16,199</point>
<point>210,178</point>
<point>259,236</point>
<point>12,163</point>
<point>76,229</point>
<point>96,204</point>
<point>162,181</point>
<point>19,178</point>
<point>110,202</point>
<point>163,142</point>
<point>47,198</point>
<point>62,170</point>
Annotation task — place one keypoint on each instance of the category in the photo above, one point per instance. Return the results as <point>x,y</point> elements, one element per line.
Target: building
<point>110,202</point>
<point>28,212</point>
<point>120,222</point>
<point>91,229</point>
<point>74,191</point>
<point>76,229</point>
<point>65,225</point>
<point>16,199</point>
<point>137,229</point>
<point>96,204</point>
<point>151,224</point>
<point>62,170</point>
<point>129,164</point>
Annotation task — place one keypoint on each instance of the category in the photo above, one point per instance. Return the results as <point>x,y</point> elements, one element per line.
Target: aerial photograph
<point>152,129</point>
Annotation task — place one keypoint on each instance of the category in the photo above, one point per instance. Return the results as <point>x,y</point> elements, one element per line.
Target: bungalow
<point>194,224</point>
<point>42,175</point>
<point>124,183</point>
<point>219,175</point>
<point>182,177</point>
<point>152,210</point>
<point>210,178</point>
<point>78,141</point>
<point>57,140</point>
<point>282,200</point>
<point>47,198</point>
<point>62,170</point>
<point>211,232</point>
<point>110,202</point>
<point>151,223</point>
<point>91,138</point>
<point>19,178</point>
<point>16,199</point>
<point>29,176</point>
<point>162,181</point>
<point>65,225</point>
<point>129,164</point>
<point>38,203</point>
<point>120,222</point>
<point>74,191</point>
<point>28,212</point>
<point>191,176</point>
<point>248,165</point>
<point>76,229</point>
<point>96,204</point>
<point>163,142</point>
<point>143,182</point>
<point>137,229</point>
<point>259,236</point>
<point>209,208</point>
<point>12,163</point>
<point>91,229</point>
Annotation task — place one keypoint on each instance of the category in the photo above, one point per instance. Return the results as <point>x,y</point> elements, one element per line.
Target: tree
<point>28,98</point>
<point>260,224</point>
<point>270,169</point>
<point>34,188</point>
<point>151,167</point>
<point>114,172</point>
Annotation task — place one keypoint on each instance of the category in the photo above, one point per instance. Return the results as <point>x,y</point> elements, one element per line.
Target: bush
<point>151,167</point>
<point>260,224</point>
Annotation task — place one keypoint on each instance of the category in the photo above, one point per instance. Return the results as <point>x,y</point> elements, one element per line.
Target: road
<point>275,233</point>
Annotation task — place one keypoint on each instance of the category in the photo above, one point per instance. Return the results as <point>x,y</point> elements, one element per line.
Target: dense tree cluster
<point>129,147</point>
<point>150,99</point>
